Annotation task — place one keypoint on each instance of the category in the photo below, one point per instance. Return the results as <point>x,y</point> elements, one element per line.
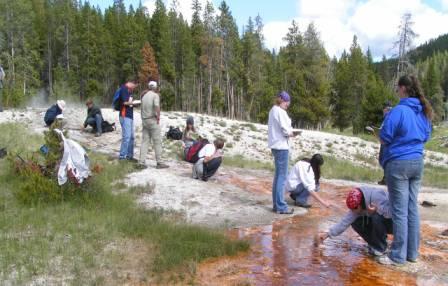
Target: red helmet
<point>354,198</point>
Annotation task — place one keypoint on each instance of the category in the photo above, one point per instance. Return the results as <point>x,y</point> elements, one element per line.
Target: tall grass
<point>77,241</point>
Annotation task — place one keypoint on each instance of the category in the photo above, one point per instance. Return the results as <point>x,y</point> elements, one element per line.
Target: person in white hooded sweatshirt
<point>279,132</point>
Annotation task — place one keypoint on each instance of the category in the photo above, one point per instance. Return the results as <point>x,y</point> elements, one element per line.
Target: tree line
<point>71,49</point>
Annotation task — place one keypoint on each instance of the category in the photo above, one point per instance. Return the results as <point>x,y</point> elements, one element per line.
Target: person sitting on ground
<point>53,112</point>
<point>369,215</point>
<point>303,181</point>
<point>189,135</point>
<point>94,118</point>
<point>210,159</point>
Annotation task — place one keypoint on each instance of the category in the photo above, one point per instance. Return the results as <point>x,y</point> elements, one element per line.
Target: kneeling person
<point>210,159</point>
<point>369,215</point>
<point>303,181</point>
<point>94,118</point>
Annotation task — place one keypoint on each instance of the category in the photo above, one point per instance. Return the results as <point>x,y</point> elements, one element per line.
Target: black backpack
<point>116,102</point>
<point>211,167</point>
<point>174,133</point>
<point>107,127</point>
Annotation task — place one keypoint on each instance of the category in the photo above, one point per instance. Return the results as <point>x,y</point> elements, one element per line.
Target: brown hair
<point>89,101</point>
<point>277,100</point>
<point>219,143</point>
<point>413,89</point>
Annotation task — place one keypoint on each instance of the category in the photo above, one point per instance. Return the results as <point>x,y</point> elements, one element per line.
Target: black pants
<point>374,230</point>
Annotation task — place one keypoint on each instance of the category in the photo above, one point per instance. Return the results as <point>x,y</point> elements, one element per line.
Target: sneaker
<point>385,260</point>
<point>382,182</point>
<point>162,166</point>
<point>306,206</point>
<point>288,211</point>
<point>373,252</point>
<point>412,260</point>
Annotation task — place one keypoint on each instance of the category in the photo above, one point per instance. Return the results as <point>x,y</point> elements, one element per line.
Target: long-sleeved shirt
<point>301,173</point>
<point>92,112</point>
<point>279,128</point>
<point>404,132</point>
<point>372,196</point>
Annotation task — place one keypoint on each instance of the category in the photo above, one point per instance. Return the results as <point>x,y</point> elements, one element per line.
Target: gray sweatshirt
<point>372,196</point>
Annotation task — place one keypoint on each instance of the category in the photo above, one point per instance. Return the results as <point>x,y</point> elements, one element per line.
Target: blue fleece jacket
<point>404,132</point>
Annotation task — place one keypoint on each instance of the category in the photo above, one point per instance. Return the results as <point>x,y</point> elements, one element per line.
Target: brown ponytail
<point>413,89</point>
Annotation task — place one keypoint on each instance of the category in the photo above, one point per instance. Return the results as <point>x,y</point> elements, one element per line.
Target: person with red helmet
<point>369,215</point>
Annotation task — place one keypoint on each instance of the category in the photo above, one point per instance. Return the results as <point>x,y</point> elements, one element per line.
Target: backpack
<point>211,167</point>
<point>116,102</point>
<point>192,155</point>
<point>174,133</point>
<point>107,127</point>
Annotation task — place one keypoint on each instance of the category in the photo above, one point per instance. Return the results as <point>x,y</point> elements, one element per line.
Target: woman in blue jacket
<point>403,135</point>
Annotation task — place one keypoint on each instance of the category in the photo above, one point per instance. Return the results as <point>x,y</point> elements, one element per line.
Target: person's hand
<point>371,209</point>
<point>323,236</point>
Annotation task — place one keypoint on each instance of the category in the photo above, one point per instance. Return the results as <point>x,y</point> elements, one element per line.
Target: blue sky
<point>375,22</point>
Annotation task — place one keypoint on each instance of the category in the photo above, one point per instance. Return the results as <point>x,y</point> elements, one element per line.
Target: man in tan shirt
<point>150,110</point>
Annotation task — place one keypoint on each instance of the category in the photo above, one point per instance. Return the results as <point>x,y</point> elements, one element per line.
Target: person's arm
<point>157,108</point>
<point>217,154</point>
<point>391,122</point>
<point>343,224</point>
<point>285,124</point>
<point>319,199</point>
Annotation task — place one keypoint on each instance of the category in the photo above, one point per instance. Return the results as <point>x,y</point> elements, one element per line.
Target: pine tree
<point>148,69</point>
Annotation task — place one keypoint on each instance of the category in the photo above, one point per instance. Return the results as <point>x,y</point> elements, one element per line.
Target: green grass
<point>78,241</point>
<point>240,162</point>
<point>435,142</point>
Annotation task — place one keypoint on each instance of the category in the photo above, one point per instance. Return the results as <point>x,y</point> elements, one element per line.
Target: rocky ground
<point>240,198</point>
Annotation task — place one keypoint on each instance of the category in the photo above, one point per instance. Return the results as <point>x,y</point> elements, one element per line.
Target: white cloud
<point>444,4</point>
<point>375,22</point>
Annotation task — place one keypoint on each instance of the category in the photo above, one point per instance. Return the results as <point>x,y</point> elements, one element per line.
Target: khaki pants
<point>151,131</point>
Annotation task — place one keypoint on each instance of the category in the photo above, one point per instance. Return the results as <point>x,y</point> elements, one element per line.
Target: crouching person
<point>303,181</point>
<point>94,118</point>
<point>369,215</point>
<point>54,112</point>
<point>210,159</point>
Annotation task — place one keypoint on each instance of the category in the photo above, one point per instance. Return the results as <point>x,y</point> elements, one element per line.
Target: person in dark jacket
<point>94,118</point>
<point>53,112</point>
<point>369,215</point>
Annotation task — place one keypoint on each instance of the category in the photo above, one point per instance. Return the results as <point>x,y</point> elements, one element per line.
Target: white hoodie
<point>279,128</point>
<point>301,173</point>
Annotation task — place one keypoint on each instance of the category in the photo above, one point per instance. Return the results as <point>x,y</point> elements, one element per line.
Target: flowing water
<point>288,252</point>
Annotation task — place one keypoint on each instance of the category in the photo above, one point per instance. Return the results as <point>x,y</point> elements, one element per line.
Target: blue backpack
<point>116,102</point>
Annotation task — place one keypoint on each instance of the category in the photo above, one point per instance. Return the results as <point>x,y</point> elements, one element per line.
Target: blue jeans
<point>403,182</point>
<point>127,138</point>
<point>96,123</point>
<point>301,194</point>
<point>281,171</point>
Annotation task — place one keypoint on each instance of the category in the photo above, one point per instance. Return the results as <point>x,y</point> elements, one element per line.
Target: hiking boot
<point>412,260</point>
<point>141,166</point>
<point>385,260</point>
<point>97,134</point>
<point>373,252</point>
<point>288,211</point>
<point>306,206</point>
<point>162,166</point>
